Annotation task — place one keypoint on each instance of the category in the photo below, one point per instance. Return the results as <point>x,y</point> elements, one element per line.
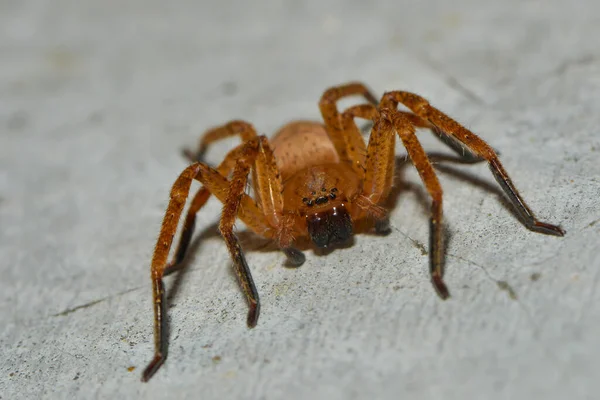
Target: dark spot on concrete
<point>535,276</point>
<point>216,359</point>
<point>17,121</point>
<point>503,285</point>
<point>72,310</point>
<point>419,246</point>
<point>229,88</point>
<point>96,118</point>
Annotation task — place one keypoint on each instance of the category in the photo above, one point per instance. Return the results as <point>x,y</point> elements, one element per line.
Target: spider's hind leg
<point>477,146</point>
<point>465,154</point>
<point>237,204</point>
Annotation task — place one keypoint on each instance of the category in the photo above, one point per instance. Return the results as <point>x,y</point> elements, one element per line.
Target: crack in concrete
<point>594,222</point>
<point>528,314</point>
<point>578,62</point>
<point>502,285</point>
<point>93,303</point>
<point>418,245</point>
<point>505,286</point>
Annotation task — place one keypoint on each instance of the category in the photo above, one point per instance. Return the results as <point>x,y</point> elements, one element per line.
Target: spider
<point>315,181</point>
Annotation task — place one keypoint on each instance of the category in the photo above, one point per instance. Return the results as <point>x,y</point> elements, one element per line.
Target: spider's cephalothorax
<point>316,181</point>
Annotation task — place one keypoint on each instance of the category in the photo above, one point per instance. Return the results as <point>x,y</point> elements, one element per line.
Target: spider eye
<point>330,227</point>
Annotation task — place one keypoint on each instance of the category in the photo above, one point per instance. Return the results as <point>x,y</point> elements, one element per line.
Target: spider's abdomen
<point>302,144</point>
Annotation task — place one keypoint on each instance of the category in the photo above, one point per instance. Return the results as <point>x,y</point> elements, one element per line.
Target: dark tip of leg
<point>440,287</point>
<point>153,367</point>
<point>382,227</point>
<point>253,313</point>
<point>170,268</point>
<point>547,229</point>
<point>295,257</point>
<point>193,156</point>
<point>187,153</point>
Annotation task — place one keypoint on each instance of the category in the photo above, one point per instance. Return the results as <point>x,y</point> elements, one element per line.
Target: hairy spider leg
<point>476,145</point>
<point>379,175</point>
<point>465,154</point>
<point>346,138</point>
<point>391,119</point>
<point>245,208</point>
<point>267,185</point>
<point>199,200</point>
<point>232,128</point>
<point>246,131</point>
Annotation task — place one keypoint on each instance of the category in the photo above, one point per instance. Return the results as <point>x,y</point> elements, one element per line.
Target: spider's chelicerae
<point>316,181</point>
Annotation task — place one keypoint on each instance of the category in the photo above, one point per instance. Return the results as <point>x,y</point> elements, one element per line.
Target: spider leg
<point>466,155</point>
<point>377,182</point>
<point>267,188</point>
<point>476,145</point>
<point>345,135</point>
<point>245,208</point>
<point>379,156</point>
<point>232,128</point>
<point>231,205</point>
<point>179,193</point>
<point>199,200</point>
<point>417,154</point>
<point>257,155</point>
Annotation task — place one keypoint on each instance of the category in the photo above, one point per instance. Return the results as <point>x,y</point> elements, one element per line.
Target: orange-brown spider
<point>315,181</point>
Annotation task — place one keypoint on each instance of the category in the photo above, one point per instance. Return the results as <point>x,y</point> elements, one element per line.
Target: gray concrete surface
<point>98,97</point>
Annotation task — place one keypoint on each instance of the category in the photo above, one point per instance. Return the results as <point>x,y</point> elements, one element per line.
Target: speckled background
<point>97,98</point>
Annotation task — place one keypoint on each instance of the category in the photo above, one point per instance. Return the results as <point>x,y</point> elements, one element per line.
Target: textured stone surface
<point>98,97</point>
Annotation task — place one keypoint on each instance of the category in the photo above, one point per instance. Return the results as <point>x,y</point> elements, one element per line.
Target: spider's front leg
<point>267,188</point>
<point>378,178</point>
<point>247,133</point>
<point>179,193</point>
<point>245,208</point>
<point>254,153</point>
